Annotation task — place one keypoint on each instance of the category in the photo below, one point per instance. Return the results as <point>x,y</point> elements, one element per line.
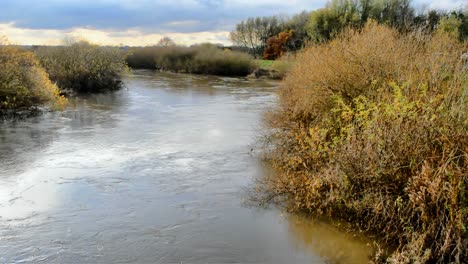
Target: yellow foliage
<point>372,128</point>
<point>24,83</point>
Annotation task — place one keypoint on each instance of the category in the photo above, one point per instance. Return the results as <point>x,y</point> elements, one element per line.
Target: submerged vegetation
<point>371,128</point>
<point>200,59</point>
<point>82,67</point>
<point>24,84</point>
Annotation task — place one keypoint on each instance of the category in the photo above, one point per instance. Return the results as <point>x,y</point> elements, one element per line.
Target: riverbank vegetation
<point>82,67</point>
<point>199,59</point>
<point>24,84</point>
<point>371,128</point>
<point>274,69</point>
<point>260,35</point>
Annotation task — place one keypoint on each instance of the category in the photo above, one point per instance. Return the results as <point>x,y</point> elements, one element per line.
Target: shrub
<point>175,59</point>
<point>24,83</point>
<point>201,59</point>
<point>371,128</point>
<point>210,59</point>
<point>82,67</point>
<point>142,58</point>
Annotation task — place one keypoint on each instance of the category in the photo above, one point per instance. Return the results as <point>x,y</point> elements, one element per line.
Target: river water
<point>153,173</point>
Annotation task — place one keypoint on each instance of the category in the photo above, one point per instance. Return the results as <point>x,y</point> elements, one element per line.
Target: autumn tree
<point>276,45</point>
<point>253,33</point>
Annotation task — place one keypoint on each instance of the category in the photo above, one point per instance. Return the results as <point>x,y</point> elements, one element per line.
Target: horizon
<point>145,22</point>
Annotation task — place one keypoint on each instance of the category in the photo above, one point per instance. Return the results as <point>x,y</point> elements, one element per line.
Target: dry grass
<point>372,128</point>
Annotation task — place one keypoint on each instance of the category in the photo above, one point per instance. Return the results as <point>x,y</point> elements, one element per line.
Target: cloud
<point>440,4</point>
<point>153,16</point>
<point>183,23</point>
<point>125,21</point>
<point>131,37</point>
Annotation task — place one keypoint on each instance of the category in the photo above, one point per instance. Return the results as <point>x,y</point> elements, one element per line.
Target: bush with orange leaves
<point>24,83</point>
<point>371,128</point>
<point>275,46</point>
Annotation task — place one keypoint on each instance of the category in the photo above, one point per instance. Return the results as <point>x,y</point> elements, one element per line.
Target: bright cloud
<point>440,4</point>
<point>129,37</point>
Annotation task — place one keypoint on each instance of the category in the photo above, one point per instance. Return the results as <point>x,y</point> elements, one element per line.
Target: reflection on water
<point>328,242</point>
<point>151,173</point>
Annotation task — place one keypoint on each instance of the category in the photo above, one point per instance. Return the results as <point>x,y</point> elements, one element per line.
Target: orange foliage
<point>275,46</point>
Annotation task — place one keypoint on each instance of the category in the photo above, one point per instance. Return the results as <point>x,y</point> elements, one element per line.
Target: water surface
<point>153,173</point>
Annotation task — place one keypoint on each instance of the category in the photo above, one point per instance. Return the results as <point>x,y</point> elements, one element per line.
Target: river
<point>153,173</point>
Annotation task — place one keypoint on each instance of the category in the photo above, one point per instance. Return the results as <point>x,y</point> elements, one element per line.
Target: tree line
<point>269,37</point>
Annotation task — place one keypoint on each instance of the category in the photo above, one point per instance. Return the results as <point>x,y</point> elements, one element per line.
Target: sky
<point>144,22</point>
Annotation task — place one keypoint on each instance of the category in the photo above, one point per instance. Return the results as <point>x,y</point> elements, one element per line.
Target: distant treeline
<point>268,37</point>
<point>199,59</point>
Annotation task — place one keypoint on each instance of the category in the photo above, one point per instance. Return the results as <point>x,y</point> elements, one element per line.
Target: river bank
<point>371,129</point>
<point>156,171</point>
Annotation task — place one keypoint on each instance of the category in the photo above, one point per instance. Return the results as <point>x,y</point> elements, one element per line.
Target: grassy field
<point>276,69</point>
<point>264,64</point>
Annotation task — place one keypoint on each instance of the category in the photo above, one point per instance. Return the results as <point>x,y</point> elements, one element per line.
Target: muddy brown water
<point>153,173</point>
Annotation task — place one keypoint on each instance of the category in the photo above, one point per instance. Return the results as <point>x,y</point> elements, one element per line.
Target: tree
<point>253,33</point>
<point>463,29</point>
<point>276,45</point>
<point>326,22</point>
<point>166,42</point>
<point>297,24</point>
<point>396,13</point>
<point>450,25</point>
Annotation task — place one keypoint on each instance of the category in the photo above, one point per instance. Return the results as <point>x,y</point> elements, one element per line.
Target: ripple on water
<point>151,173</point>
